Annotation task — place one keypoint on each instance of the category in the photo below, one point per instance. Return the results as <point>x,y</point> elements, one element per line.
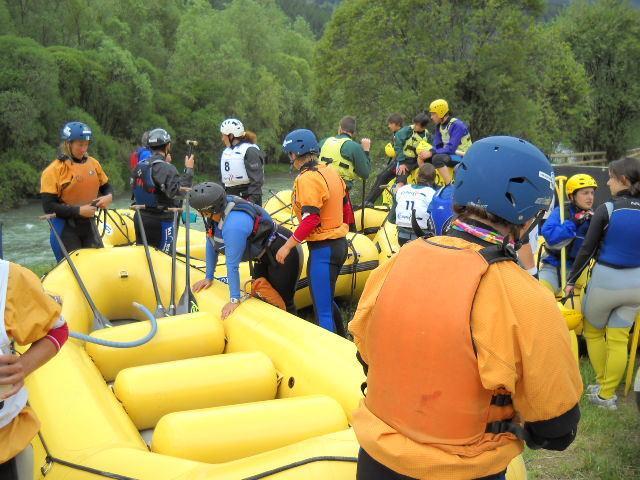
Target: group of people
<point>454,388</point>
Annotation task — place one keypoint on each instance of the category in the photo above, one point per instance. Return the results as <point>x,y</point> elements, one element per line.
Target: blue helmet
<point>509,177</point>
<point>300,142</point>
<point>75,131</point>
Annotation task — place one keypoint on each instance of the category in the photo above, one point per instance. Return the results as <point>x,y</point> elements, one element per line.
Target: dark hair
<point>629,168</point>
<point>396,118</point>
<point>426,174</point>
<point>348,124</point>
<point>421,119</point>
<point>464,212</point>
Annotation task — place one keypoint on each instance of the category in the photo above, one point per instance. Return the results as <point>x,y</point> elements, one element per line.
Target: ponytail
<point>250,137</point>
<point>628,168</point>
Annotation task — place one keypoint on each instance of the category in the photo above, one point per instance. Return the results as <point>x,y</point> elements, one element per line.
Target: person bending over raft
<point>245,232</point>
<point>242,162</point>
<point>28,316</point>
<point>73,187</point>
<point>415,200</point>
<point>319,201</point>
<point>156,185</point>
<point>612,297</point>
<point>570,234</point>
<point>468,361</point>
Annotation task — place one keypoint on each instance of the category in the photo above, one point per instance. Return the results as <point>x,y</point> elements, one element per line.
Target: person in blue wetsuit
<point>570,233</point>
<point>244,232</point>
<point>612,298</point>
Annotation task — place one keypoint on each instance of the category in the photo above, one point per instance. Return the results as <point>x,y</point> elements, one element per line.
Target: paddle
<point>99,320</point>
<point>160,311</point>
<point>172,300</point>
<point>560,188</point>
<point>187,302</point>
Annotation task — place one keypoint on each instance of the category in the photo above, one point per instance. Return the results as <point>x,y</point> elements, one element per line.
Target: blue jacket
<point>568,234</point>
<point>238,226</point>
<point>457,130</point>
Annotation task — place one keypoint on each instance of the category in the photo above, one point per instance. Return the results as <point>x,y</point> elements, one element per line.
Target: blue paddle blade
<point>193,217</point>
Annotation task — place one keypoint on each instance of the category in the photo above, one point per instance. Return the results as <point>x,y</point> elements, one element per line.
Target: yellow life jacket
<point>411,145</point>
<point>330,155</point>
<point>465,142</point>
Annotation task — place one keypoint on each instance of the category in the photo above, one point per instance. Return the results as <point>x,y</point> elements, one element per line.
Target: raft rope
<point>50,460</point>
<point>306,461</point>
<point>107,212</point>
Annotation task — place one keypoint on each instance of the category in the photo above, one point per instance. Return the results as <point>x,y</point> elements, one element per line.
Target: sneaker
<point>592,389</point>
<point>609,404</point>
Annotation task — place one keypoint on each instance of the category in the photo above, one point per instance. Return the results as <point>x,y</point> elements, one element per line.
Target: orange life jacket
<point>79,183</point>
<point>430,389</point>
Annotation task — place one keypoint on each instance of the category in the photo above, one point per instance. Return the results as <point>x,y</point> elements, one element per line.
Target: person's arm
<point>212,259</point>
<point>592,239</point>
<point>556,234</point>
<point>523,346</point>
<point>237,229</point>
<point>437,140</point>
<point>456,132</point>
<point>360,159</point>
<point>167,178</point>
<point>400,139</point>
<point>254,164</point>
<point>51,204</point>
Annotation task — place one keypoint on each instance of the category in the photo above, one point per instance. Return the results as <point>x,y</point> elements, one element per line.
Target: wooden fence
<point>587,158</point>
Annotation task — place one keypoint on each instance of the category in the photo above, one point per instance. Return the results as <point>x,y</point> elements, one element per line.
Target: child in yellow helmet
<point>569,234</point>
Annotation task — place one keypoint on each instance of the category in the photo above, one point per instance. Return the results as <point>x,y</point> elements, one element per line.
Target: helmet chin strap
<point>519,241</point>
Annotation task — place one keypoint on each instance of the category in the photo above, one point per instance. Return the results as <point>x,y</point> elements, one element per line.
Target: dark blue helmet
<point>75,131</point>
<point>300,142</point>
<point>509,177</point>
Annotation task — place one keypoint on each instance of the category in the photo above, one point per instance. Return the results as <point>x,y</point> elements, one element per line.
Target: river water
<point>26,238</point>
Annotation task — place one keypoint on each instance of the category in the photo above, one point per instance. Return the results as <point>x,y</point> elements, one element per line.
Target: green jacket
<point>353,151</point>
<point>402,137</point>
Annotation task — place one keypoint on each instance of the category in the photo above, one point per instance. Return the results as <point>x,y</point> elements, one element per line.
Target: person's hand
<point>366,144</point>
<point>402,170</point>
<point>283,253</point>
<point>87,211</point>
<point>189,161</point>
<point>568,290</point>
<point>104,201</point>
<point>583,216</point>
<point>202,285</point>
<point>228,309</point>
<point>11,374</point>
<point>425,154</point>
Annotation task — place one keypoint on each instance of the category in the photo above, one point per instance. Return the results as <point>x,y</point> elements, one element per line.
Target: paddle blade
<point>100,321</point>
<point>187,302</point>
<point>160,312</point>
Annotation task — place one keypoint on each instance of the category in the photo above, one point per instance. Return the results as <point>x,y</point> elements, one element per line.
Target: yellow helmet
<point>578,181</point>
<point>389,151</point>
<point>571,316</point>
<point>440,107</point>
<point>423,145</point>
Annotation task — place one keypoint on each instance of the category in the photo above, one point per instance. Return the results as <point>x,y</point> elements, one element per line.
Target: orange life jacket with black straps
<point>80,182</point>
<point>430,390</point>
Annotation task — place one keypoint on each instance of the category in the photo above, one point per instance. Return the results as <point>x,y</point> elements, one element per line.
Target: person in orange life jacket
<point>451,140</point>
<point>245,232</point>
<point>454,387</point>
<point>242,162</point>
<point>141,153</point>
<point>348,157</point>
<point>27,316</point>
<point>580,189</point>
<point>319,200</point>
<point>610,304</point>
<point>73,187</point>
<point>394,123</point>
<point>156,184</point>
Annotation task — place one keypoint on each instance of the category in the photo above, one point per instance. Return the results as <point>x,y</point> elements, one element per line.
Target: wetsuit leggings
<point>158,230</point>
<point>326,257</point>
<point>283,278</point>
<point>242,191</point>
<point>610,306</point>
<point>384,177</point>
<point>75,233</point>
<point>370,469</point>
<point>442,159</point>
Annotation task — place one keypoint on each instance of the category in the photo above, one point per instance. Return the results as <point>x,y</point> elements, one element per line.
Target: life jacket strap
<point>501,400</point>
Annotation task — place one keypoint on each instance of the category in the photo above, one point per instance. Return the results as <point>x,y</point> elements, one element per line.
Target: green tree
<point>605,37</point>
<point>487,58</point>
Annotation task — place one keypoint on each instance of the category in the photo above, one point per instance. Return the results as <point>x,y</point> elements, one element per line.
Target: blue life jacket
<point>573,247</point>
<point>441,209</point>
<point>262,235</point>
<point>144,188</point>
<point>620,246</point>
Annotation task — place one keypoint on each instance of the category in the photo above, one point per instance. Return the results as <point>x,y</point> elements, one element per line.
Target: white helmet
<point>232,126</point>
